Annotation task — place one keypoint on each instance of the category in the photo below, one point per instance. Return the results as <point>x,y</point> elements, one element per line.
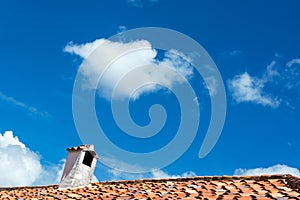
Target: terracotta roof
<point>213,187</point>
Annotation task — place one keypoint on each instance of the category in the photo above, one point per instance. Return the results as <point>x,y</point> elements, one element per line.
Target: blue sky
<point>254,44</point>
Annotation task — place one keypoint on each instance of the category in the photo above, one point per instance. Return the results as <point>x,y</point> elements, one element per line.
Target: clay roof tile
<point>207,187</point>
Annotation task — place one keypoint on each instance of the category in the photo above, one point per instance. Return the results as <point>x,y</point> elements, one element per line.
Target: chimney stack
<point>79,167</point>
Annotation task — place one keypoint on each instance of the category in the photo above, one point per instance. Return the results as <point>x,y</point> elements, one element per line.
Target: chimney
<point>79,167</point>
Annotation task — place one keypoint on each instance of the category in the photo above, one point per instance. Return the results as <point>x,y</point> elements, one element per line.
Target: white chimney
<point>79,167</point>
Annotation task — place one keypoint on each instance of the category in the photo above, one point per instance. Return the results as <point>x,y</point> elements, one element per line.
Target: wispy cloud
<point>276,169</point>
<point>272,88</point>
<point>163,174</point>
<point>291,75</point>
<point>155,173</point>
<point>114,174</point>
<point>232,53</point>
<point>245,88</point>
<point>293,62</point>
<point>293,143</point>
<point>211,84</point>
<point>29,109</point>
<point>145,69</point>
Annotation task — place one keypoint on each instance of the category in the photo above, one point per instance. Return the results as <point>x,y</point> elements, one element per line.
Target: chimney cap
<point>84,147</point>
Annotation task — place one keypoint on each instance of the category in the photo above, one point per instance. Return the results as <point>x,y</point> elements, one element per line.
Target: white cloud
<point>20,166</point>
<point>282,79</point>
<point>276,169</point>
<point>135,60</point>
<point>245,88</point>
<point>23,106</point>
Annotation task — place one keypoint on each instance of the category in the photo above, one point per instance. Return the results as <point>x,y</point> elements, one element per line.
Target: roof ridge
<point>225,177</point>
<point>28,187</point>
<point>292,181</point>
